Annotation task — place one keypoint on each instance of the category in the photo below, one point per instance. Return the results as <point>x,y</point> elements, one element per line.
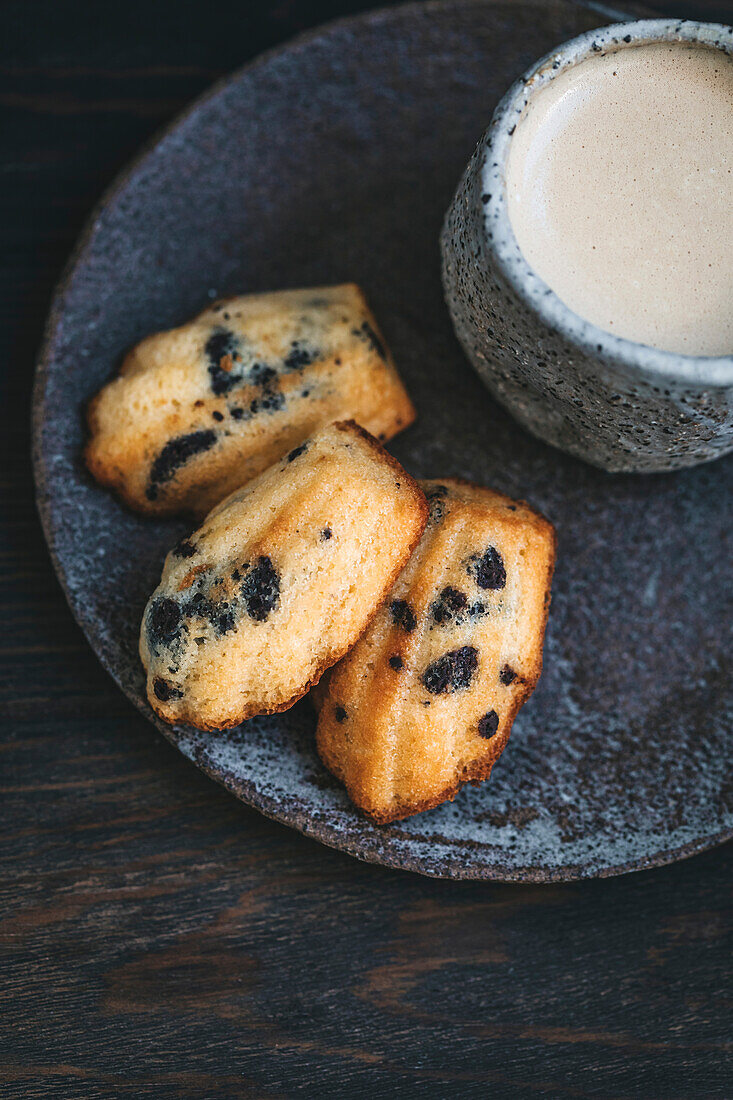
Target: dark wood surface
<point>158,938</point>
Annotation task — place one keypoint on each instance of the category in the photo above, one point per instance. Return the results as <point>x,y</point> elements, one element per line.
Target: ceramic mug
<point>617,404</point>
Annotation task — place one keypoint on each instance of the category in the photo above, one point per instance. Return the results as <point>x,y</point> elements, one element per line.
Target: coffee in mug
<point>620,193</point>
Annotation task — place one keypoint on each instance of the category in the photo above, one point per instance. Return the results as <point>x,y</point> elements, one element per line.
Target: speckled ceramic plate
<point>334,159</point>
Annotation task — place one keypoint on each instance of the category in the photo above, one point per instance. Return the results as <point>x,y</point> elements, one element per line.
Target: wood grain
<point>158,938</point>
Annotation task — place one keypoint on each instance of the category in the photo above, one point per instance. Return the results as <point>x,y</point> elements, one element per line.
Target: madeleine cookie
<point>200,410</point>
<point>425,701</point>
<point>279,581</point>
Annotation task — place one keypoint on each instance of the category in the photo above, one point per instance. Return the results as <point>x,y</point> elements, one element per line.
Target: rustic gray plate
<point>333,159</point>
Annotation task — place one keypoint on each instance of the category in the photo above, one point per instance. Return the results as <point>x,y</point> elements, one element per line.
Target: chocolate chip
<point>262,375</point>
<point>236,412</point>
<point>217,415</point>
<point>489,724</point>
<point>403,615</point>
<point>261,590</point>
<point>165,691</point>
<point>296,451</point>
<point>326,534</point>
<point>184,549</point>
<point>176,453</point>
<point>200,607</point>
<point>339,713</point>
<point>507,675</point>
<point>396,663</point>
<point>451,672</point>
<point>299,357</point>
<point>220,349</point>
<point>226,622</point>
<point>488,569</point>
<point>448,604</point>
<point>271,401</point>
<point>164,620</point>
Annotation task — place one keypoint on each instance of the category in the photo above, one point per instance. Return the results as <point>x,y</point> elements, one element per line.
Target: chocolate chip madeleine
<point>426,699</point>
<point>279,581</point>
<point>200,410</point>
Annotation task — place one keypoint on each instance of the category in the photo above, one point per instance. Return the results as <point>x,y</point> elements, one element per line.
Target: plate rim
<point>370,852</point>
<point>369,849</point>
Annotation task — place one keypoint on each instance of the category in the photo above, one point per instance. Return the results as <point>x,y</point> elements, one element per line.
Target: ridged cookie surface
<point>279,581</point>
<point>425,701</point>
<point>200,410</point>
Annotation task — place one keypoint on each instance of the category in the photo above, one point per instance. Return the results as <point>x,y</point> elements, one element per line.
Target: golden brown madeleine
<point>200,410</point>
<point>426,699</point>
<point>279,581</point>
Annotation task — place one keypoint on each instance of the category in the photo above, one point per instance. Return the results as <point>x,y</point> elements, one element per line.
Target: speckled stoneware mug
<point>615,403</point>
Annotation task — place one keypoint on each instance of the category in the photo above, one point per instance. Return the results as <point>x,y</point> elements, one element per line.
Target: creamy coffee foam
<point>620,193</point>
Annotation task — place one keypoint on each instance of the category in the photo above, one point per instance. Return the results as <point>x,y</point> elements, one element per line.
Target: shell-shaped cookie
<point>426,699</point>
<point>197,411</point>
<point>279,581</point>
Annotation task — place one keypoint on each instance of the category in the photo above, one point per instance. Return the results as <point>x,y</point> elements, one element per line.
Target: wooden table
<point>158,938</point>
